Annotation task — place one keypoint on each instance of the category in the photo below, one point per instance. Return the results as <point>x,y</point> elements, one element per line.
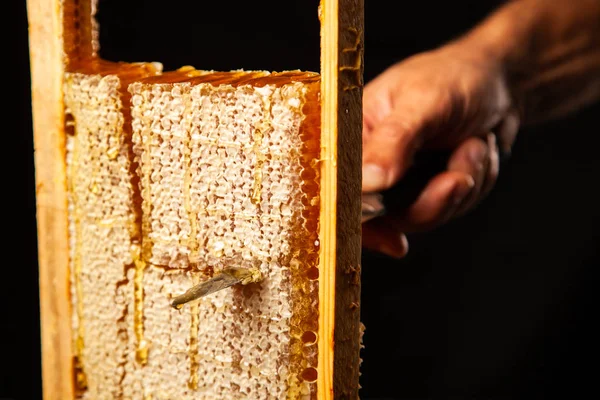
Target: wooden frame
<point>339,289</point>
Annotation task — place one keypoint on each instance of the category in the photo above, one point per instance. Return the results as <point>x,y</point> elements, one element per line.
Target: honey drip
<point>193,350</point>
<point>192,244</point>
<point>79,371</point>
<point>141,352</point>
<point>258,137</point>
<point>258,171</point>
<point>146,205</point>
<point>80,378</point>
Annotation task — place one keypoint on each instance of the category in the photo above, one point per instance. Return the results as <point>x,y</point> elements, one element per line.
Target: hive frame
<point>342,24</point>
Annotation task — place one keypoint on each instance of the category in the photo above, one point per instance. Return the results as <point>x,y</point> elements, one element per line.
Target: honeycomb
<point>172,178</point>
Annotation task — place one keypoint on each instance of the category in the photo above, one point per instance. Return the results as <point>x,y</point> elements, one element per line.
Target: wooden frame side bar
<point>46,58</point>
<point>342,26</point>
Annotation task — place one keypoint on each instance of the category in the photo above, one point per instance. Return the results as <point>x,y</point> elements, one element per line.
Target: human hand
<point>450,99</point>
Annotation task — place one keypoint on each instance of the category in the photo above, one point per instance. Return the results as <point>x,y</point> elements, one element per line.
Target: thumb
<point>389,149</point>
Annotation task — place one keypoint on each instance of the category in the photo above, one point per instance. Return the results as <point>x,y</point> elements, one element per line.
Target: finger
<point>390,149</point>
<point>489,179</point>
<point>435,205</point>
<point>380,236</point>
<point>377,100</point>
<point>507,130</point>
<point>377,104</point>
<point>471,158</point>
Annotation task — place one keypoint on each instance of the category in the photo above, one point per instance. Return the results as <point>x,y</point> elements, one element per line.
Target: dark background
<point>500,304</point>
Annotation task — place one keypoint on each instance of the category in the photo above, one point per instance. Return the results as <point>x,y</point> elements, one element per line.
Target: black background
<point>499,304</point>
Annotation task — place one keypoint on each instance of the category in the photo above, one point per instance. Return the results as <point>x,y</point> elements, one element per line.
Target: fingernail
<point>372,206</point>
<point>395,247</point>
<point>404,242</point>
<point>373,177</point>
<point>478,155</point>
<point>463,190</point>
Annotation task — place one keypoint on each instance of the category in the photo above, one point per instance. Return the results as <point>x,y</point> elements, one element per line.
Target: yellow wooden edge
<point>46,59</point>
<point>328,212</point>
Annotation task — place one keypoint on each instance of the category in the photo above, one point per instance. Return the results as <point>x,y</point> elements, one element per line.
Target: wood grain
<point>46,57</point>
<point>342,24</point>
